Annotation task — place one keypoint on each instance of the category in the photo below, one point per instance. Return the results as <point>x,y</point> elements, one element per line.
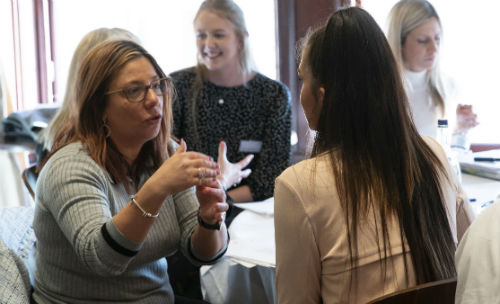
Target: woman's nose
<point>210,42</point>
<point>151,98</point>
<point>434,46</point>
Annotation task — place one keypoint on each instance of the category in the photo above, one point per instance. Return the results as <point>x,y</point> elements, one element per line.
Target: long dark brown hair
<point>99,68</point>
<point>382,167</point>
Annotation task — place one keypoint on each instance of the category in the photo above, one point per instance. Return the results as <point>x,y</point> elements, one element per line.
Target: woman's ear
<point>321,95</point>
<point>242,40</point>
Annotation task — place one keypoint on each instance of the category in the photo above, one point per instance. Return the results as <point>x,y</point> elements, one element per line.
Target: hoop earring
<point>107,130</point>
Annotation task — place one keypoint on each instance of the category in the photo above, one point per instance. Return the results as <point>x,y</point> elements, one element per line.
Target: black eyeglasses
<point>137,93</point>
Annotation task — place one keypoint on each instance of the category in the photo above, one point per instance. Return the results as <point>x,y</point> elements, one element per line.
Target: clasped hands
<point>186,169</point>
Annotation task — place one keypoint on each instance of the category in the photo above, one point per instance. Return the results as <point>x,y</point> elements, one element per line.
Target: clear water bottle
<point>443,137</point>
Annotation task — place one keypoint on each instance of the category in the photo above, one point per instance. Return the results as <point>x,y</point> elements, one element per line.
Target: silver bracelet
<point>144,212</point>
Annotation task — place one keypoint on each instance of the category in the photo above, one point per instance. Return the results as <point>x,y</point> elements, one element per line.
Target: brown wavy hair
<point>99,68</point>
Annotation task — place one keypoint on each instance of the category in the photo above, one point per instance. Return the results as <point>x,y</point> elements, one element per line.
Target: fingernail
<point>218,172</point>
<point>218,165</point>
<point>210,190</point>
<point>214,179</point>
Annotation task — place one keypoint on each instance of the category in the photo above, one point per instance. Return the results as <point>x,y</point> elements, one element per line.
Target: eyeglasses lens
<point>138,93</point>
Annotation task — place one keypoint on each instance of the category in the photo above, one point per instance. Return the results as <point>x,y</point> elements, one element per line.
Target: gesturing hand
<point>212,201</point>
<point>232,173</point>
<point>183,170</point>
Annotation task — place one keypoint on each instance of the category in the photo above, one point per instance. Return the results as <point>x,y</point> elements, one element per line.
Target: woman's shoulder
<point>75,149</point>
<point>186,74</point>
<point>273,95</point>
<point>306,171</point>
<point>69,156</point>
<point>270,84</point>
<point>435,147</point>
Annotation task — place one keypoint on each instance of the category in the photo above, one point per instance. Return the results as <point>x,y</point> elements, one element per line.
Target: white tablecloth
<point>481,191</point>
<point>247,272</point>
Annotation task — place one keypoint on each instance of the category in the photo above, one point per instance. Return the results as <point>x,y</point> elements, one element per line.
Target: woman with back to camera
<point>223,104</point>
<point>118,197</point>
<point>415,36</point>
<point>376,209</point>
<point>62,126</point>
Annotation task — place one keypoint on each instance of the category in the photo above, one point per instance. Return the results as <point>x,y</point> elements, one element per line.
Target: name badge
<point>250,146</point>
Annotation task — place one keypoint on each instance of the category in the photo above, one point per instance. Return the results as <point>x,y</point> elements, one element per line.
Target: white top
<point>425,113</point>
<point>478,260</point>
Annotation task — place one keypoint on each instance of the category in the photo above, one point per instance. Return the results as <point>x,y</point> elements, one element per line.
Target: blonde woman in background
<point>231,112</point>
<point>227,110</point>
<point>61,128</point>
<point>415,35</point>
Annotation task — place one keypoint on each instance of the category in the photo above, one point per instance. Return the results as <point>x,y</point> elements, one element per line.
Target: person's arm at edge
<point>295,241</point>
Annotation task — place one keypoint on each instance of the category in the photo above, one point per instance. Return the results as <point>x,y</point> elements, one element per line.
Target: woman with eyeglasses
<point>120,195</point>
<point>62,126</point>
<point>377,208</point>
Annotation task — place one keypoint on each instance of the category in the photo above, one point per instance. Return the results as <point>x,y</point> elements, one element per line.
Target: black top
<point>259,111</point>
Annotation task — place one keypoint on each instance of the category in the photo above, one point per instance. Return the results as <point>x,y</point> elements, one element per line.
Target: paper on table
<point>481,168</point>
<point>265,207</point>
<point>252,239</point>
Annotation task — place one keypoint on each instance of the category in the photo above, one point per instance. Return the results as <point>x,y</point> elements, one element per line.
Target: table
<point>481,191</point>
<point>246,274</point>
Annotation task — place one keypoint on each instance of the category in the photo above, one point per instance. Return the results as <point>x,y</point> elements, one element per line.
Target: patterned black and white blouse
<point>245,117</point>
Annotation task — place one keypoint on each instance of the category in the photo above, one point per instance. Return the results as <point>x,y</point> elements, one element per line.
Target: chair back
<point>442,292</point>
<point>29,178</point>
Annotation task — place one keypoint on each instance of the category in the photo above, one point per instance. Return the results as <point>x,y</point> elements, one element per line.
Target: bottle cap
<point>442,122</point>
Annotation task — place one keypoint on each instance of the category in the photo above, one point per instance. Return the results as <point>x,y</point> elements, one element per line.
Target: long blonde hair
<point>61,127</point>
<point>405,16</point>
